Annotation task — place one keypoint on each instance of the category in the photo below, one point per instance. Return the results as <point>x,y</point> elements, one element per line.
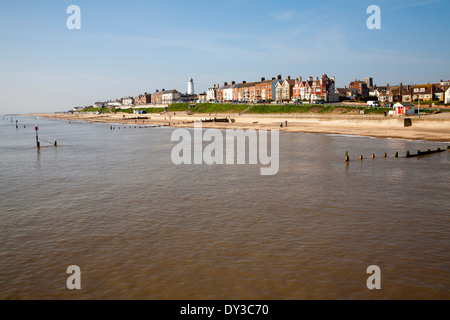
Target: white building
<point>170,96</point>
<point>447,96</point>
<point>114,104</point>
<point>228,91</point>
<point>211,93</point>
<point>128,101</point>
<point>191,89</point>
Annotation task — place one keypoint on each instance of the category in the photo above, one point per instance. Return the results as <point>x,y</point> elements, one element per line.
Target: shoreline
<point>434,128</point>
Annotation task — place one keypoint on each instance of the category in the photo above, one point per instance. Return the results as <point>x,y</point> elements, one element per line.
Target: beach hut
<point>404,108</point>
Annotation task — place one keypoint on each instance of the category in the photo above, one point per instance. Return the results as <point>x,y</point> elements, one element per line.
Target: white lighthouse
<point>191,86</point>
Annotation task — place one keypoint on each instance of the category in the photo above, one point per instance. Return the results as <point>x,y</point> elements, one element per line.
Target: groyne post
<point>38,145</point>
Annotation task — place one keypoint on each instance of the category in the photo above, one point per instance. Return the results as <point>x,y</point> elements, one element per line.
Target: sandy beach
<point>428,127</point>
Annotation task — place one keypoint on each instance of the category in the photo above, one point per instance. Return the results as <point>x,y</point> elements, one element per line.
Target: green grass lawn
<point>151,110</point>
<point>179,107</point>
<point>208,107</point>
<point>205,108</point>
<point>268,108</point>
<point>90,110</point>
<point>219,108</point>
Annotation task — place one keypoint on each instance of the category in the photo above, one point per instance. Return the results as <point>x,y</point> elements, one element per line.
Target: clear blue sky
<point>130,47</point>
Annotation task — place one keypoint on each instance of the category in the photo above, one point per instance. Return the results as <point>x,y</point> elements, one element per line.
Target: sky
<point>126,48</point>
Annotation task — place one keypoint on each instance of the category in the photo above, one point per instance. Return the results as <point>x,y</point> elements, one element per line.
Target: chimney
<point>288,78</point>
<point>157,90</point>
<point>310,78</point>
<point>279,77</point>
<point>233,83</point>
<point>400,88</point>
<point>263,79</point>
<point>225,84</point>
<point>300,79</point>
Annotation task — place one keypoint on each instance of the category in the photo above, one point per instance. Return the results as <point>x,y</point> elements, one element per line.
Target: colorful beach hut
<point>404,108</point>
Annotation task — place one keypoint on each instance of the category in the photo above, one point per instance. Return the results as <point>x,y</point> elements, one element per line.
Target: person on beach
<point>286,123</point>
<point>281,125</point>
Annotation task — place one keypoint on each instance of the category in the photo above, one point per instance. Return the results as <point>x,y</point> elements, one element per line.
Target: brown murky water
<point>140,227</point>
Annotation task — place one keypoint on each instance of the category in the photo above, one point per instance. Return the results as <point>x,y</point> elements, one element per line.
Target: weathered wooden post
<point>17,124</point>
<point>407,154</point>
<point>36,128</point>
<point>373,155</point>
<point>361,157</point>
<point>396,155</point>
<point>385,155</point>
<point>346,156</point>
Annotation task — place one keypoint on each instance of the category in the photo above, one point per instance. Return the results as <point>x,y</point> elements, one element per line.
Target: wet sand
<point>427,127</point>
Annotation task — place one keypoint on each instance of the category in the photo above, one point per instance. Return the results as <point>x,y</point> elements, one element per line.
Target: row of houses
<point>162,97</point>
<point>275,89</point>
<point>400,93</point>
<point>409,93</point>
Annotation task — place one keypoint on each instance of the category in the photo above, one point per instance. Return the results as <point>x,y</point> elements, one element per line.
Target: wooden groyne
<point>425,153</point>
<point>408,154</point>
<point>216,120</point>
